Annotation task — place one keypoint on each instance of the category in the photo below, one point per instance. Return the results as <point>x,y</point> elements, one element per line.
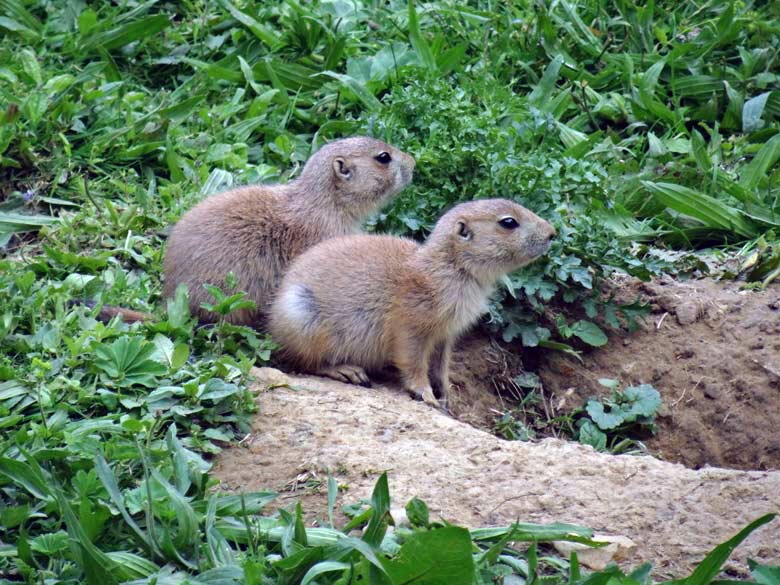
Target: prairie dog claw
<point>347,374</point>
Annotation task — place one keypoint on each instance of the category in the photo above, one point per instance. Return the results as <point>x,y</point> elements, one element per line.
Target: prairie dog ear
<point>464,231</point>
<point>342,169</point>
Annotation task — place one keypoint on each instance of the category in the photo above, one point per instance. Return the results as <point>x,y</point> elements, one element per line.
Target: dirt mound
<point>713,352</point>
<point>471,477</point>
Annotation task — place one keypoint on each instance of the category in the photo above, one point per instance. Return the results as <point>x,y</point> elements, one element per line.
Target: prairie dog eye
<point>383,158</point>
<point>509,223</point>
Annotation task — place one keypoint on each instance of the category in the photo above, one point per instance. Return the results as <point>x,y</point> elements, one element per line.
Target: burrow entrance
<point>711,350</point>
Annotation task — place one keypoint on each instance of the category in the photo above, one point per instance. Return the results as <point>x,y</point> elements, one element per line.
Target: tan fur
<point>256,231</point>
<point>108,312</point>
<point>366,301</point>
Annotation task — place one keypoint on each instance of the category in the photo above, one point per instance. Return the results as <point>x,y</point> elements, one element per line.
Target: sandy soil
<point>470,477</point>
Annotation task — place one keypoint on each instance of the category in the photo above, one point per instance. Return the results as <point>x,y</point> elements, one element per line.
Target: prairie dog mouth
<point>538,247</point>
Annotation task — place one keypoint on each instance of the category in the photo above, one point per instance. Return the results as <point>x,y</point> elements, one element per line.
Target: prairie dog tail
<point>108,312</point>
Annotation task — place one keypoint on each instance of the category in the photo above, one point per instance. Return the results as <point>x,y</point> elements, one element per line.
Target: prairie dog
<point>357,303</point>
<point>256,231</point>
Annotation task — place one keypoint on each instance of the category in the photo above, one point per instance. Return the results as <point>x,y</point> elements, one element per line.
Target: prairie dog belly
<point>333,301</point>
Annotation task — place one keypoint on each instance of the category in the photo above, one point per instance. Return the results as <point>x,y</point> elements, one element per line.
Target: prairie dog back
<point>256,231</point>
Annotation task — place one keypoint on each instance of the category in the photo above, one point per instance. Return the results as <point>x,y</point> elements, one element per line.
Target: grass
<point>632,127</point>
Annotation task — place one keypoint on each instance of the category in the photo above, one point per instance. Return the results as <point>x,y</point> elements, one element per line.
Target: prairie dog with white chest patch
<point>358,303</point>
<point>256,231</point>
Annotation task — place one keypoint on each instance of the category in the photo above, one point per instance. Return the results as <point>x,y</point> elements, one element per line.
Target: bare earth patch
<point>470,477</point>
<point>713,352</point>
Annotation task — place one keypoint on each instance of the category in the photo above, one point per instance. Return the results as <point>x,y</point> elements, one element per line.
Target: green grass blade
<point>712,563</point>
<point>449,60</point>
<point>322,568</point>
<point>187,535</point>
<point>699,151</point>
<point>16,11</point>
<point>764,159</point>
<point>17,27</point>
<point>20,222</point>
<point>130,32</point>
<point>22,474</point>
<point>543,91</point>
<point>358,89</point>
<point>764,574</point>
<point>108,479</point>
<point>131,566</point>
<point>333,491</point>
<point>418,41</point>
<point>258,29</point>
<point>708,210</point>
<point>538,532</point>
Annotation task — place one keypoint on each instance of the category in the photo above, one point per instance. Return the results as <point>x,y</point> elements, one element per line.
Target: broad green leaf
<point>589,434</point>
<point>234,505</point>
<point>186,535</point>
<point>129,361</point>
<point>606,421</point>
<point>30,65</point>
<point>250,76</point>
<point>645,400</point>
<point>571,137</point>
<point>51,544</point>
<point>380,504</point>
<point>417,512</point>
<point>16,10</point>
<point>178,307</point>
<point>451,59</point>
<point>437,557</point>
<point>655,147</point>
<point>753,111</point>
<point>589,332</point>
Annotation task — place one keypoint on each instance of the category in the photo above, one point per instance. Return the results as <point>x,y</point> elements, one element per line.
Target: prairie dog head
<point>363,173</point>
<point>492,237</point>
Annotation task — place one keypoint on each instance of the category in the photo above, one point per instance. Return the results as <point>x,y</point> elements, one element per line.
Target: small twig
<point>89,194</point>
<point>607,43</point>
<point>521,496</point>
<point>587,106</point>
<point>661,320</point>
<point>676,402</point>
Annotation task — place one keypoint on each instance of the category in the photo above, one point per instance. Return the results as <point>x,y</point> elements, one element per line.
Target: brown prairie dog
<point>358,303</point>
<point>256,231</point>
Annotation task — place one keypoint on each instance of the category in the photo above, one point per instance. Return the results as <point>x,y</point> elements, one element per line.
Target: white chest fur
<point>468,302</point>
